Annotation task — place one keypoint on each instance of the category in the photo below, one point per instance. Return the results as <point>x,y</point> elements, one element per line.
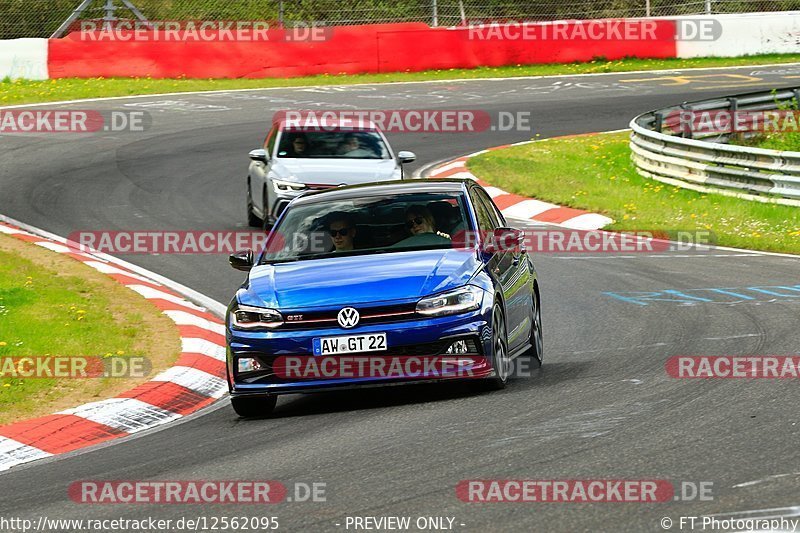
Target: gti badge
<point>348,317</point>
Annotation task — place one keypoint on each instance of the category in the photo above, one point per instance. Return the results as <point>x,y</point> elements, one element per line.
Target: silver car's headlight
<point>283,186</point>
<point>247,317</point>
<point>460,300</point>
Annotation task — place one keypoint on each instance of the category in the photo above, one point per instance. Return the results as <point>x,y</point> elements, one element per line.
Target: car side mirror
<point>242,260</point>
<point>259,154</point>
<point>504,240</point>
<point>404,156</point>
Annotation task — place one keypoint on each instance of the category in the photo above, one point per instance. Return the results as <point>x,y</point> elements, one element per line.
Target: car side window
<point>269,143</point>
<point>494,213</point>
<point>485,222</point>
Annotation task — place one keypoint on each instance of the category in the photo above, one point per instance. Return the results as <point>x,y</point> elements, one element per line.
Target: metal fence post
<point>708,7</point>
<point>733,107</point>
<point>647,8</point>
<point>435,14</point>
<point>72,18</point>
<point>109,18</point>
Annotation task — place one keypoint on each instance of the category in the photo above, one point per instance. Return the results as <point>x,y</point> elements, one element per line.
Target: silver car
<point>295,160</point>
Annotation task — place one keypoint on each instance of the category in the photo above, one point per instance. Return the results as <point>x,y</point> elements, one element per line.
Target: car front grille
<point>368,315</point>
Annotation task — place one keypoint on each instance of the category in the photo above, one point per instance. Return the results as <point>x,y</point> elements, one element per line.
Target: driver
<point>419,219</point>
<point>299,147</point>
<point>351,147</point>
<point>342,229</point>
<point>422,227</point>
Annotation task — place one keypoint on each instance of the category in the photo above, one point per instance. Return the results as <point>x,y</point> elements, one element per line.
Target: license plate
<point>372,342</point>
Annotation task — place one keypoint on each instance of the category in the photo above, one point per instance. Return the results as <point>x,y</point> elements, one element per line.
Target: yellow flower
<point>120,352</point>
<point>3,343</point>
<point>7,385</point>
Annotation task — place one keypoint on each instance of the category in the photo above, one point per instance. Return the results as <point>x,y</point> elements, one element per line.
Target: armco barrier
<point>751,173</point>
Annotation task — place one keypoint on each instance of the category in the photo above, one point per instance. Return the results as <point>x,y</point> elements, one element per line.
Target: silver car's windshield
<point>370,225</point>
<point>344,144</point>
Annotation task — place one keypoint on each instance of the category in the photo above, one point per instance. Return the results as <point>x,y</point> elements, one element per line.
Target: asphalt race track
<point>602,407</point>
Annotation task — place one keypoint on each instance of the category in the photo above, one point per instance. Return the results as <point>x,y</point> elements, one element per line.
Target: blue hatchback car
<point>382,284</point>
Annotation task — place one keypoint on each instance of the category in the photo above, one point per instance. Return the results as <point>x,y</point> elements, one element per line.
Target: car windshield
<point>368,225</point>
<point>338,144</point>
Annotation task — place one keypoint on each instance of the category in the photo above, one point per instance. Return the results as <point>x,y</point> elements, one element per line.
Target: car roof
<point>417,185</point>
<point>325,123</point>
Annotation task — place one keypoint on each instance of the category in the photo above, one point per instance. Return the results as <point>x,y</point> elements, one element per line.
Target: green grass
<point>22,91</point>
<point>60,308</point>
<point>787,139</point>
<point>595,173</point>
<point>774,141</point>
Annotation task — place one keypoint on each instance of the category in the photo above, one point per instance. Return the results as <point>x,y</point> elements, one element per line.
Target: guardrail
<point>702,162</point>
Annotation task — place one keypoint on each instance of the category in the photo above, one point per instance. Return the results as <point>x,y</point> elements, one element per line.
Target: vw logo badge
<point>348,317</point>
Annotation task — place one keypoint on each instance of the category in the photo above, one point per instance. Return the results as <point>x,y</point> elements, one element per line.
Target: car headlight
<point>283,186</point>
<point>461,300</point>
<point>246,317</point>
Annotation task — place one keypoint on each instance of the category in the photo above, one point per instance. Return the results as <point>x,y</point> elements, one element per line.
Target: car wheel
<point>537,344</point>
<point>254,407</point>
<point>501,364</point>
<point>252,220</point>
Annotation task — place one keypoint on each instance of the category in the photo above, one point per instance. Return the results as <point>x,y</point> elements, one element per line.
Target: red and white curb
<point>196,380</point>
<point>520,207</point>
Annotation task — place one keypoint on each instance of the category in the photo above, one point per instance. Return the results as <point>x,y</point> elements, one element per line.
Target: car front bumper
<point>418,338</point>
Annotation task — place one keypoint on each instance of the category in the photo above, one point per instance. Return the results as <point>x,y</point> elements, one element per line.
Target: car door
<point>259,172</point>
<point>516,279</point>
<point>500,262</point>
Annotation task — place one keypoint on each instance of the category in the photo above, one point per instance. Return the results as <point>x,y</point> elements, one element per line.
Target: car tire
<point>501,365</point>
<point>537,344</point>
<point>254,407</point>
<point>252,220</point>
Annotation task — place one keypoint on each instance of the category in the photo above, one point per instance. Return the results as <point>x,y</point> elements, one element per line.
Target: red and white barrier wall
<point>386,48</point>
<point>24,58</point>
<point>754,33</point>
